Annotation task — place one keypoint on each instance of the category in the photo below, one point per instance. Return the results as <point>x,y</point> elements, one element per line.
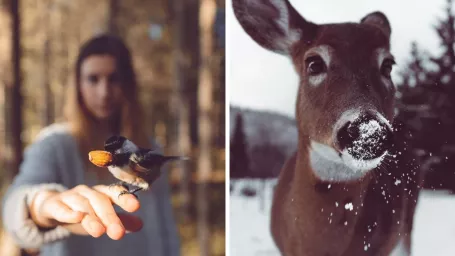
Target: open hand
<point>87,211</point>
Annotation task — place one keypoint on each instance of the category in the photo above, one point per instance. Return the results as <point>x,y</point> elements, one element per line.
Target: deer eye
<point>315,65</point>
<point>386,68</point>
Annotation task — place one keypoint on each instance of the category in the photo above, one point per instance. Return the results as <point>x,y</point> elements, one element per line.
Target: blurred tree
<point>192,57</point>
<point>112,15</point>
<point>220,91</point>
<point>443,104</point>
<point>239,166</point>
<point>221,99</point>
<point>414,72</point>
<point>5,83</point>
<point>14,96</point>
<point>427,105</point>
<point>180,100</point>
<point>444,63</point>
<point>47,104</point>
<point>205,98</point>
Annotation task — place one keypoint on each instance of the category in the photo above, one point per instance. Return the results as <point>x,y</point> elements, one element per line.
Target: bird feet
<point>130,191</point>
<point>125,192</point>
<point>126,187</point>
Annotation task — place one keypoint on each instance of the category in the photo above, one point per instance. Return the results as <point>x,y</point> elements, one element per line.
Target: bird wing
<point>138,168</point>
<point>150,175</point>
<point>121,159</point>
<point>130,147</point>
<point>153,159</point>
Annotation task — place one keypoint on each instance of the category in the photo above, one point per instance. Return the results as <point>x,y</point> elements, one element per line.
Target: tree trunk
<point>112,14</point>
<point>5,78</point>
<point>180,105</point>
<point>63,59</point>
<point>15,106</point>
<point>205,95</point>
<point>48,99</point>
<point>14,94</point>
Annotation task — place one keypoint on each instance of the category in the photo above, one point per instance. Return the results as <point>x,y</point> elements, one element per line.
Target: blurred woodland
<point>426,100</point>
<point>178,52</point>
<point>425,105</point>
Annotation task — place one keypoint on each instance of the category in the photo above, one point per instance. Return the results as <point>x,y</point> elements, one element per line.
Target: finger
<point>105,212</point>
<point>93,226</point>
<point>127,202</point>
<point>62,213</point>
<point>76,229</point>
<point>77,202</point>
<point>132,223</point>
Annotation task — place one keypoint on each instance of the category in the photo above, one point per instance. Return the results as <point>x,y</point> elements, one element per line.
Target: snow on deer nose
<point>363,138</point>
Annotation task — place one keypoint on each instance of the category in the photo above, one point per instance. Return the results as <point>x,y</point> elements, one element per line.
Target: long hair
<point>130,121</point>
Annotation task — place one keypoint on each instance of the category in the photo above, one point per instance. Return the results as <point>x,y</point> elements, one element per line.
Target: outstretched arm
<point>38,172</point>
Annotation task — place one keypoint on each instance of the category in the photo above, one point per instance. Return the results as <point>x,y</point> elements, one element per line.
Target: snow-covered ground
<point>434,230</point>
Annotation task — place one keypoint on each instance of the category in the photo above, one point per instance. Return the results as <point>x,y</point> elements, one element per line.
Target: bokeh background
<point>178,51</point>
<point>263,132</point>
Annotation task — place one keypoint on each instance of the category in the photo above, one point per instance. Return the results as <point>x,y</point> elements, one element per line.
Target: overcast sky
<point>259,79</point>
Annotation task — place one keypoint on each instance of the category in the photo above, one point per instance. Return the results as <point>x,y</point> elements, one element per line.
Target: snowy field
<point>434,230</point>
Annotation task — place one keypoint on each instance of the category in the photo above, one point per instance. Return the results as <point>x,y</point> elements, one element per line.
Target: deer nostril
<point>352,130</point>
<point>365,138</point>
<point>346,135</point>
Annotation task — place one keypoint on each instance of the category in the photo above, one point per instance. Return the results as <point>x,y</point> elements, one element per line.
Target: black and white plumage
<point>135,166</point>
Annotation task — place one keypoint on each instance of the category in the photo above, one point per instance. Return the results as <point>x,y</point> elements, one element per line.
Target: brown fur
<point>308,215</point>
<point>300,227</point>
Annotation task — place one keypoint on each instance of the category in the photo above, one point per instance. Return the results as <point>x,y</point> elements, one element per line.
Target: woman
<point>46,207</point>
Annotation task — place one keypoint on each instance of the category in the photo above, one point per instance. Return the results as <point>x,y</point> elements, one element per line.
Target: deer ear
<point>273,24</point>
<point>379,20</point>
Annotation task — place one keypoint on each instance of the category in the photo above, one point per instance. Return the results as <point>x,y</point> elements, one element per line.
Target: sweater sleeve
<point>169,229</point>
<point>38,171</point>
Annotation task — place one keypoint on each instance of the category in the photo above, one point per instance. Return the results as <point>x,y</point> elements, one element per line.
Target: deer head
<point>345,99</point>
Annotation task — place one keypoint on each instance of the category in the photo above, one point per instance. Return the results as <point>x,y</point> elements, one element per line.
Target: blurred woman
<point>56,202</point>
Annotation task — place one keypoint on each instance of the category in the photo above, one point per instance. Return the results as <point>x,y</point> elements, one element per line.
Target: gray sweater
<point>53,161</point>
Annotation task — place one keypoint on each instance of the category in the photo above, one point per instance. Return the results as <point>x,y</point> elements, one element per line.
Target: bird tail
<point>176,158</point>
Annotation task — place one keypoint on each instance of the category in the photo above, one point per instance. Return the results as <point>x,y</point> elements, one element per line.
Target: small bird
<point>132,165</point>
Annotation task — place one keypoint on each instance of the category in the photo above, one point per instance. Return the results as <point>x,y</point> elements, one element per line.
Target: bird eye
<point>315,65</point>
<point>386,68</point>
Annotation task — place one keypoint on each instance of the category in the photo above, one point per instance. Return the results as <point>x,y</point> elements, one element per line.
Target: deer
<point>351,186</point>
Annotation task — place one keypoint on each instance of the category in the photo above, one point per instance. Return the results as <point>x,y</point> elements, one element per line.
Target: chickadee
<point>132,165</point>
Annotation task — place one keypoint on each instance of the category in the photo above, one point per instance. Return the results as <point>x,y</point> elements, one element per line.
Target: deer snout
<point>365,136</point>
